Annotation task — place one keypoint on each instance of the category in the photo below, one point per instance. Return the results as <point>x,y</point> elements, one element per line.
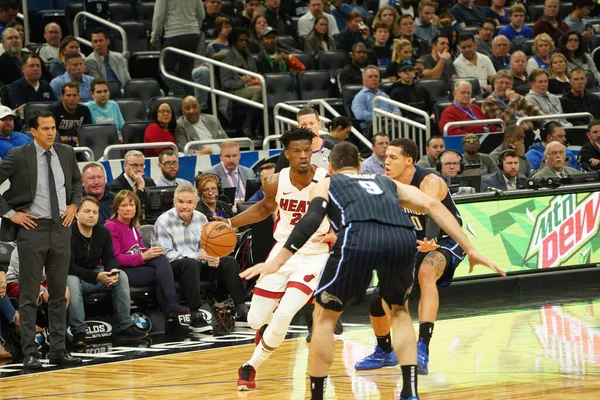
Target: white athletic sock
<point>260,356</point>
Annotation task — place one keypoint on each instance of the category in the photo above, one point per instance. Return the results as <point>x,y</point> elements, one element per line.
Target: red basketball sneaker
<point>246,375</point>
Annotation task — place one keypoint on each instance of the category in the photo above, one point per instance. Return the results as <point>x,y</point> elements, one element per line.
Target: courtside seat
<point>144,89</point>
<point>133,110</point>
<point>98,138</point>
<point>173,101</point>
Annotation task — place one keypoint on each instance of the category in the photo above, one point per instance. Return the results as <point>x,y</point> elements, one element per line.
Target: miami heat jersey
<point>292,205</point>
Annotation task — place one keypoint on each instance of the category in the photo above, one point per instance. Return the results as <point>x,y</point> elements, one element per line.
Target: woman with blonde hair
<point>543,47</point>
<point>559,81</point>
<point>209,204</point>
<point>401,51</point>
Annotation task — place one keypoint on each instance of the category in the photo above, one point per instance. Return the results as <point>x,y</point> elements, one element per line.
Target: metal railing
<point>83,149</point>
<point>136,146</point>
<point>493,121</point>
<point>212,89</point>
<point>552,116</point>
<point>389,123</point>
<point>187,150</point>
<point>82,14</point>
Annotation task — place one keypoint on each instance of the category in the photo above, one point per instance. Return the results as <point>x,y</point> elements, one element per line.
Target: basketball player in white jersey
<point>278,297</point>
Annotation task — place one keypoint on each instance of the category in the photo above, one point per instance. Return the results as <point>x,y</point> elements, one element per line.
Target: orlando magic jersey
<point>364,198</point>
<point>420,220</point>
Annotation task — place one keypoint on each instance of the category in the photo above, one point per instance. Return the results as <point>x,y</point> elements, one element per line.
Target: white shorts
<point>301,271</point>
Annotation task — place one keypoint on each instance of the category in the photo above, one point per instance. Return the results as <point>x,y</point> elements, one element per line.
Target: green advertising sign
<point>535,233</point>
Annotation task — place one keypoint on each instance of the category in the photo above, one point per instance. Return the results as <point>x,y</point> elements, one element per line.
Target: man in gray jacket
<point>539,96</point>
<point>196,126</point>
<point>104,64</point>
<point>556,164</point>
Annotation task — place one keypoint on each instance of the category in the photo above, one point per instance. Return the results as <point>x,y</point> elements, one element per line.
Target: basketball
<point>218,239</point>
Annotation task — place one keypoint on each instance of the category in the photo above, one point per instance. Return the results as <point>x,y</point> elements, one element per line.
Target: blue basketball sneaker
<point>378,359</point>
<point>422,358</point>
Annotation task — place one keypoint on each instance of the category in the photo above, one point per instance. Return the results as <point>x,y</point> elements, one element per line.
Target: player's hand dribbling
<point>266,268</point>
<point>476,258</point>
<point>425,246</point>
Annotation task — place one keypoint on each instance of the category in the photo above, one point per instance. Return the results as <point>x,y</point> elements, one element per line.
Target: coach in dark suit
<point>508,176</point>
<point>132,177</point>
<point>38,209</point>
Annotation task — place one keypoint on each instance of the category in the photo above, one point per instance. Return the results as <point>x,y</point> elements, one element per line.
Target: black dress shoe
<point>63,357</point>
<point>32,361</point>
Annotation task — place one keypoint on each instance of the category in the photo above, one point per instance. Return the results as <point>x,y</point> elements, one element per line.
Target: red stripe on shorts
<point>300,286</point>
<point>267,294</point>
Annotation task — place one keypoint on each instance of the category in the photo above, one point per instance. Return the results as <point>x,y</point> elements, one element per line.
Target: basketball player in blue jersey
<point>436,259</point>
<point>374,232</point>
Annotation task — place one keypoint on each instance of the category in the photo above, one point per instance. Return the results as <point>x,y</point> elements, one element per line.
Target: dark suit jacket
<point>120,183</point>
<point>11,69</point>
<point>497,181</point>
<point>20,168</point>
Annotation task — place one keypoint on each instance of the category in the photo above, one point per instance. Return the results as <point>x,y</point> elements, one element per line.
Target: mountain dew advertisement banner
<point>536,233</point>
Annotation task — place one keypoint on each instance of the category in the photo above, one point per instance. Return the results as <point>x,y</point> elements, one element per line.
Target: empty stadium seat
<point>288,40</point>
<point>306,58</point>
<point>173,101</point>
<point>137,38</point>
<point>133,110</point>
<point>476,92</point>
<point>386,87</point>
<point>98,138</point>
<point>591,81</point>
<point>280,88</point>
<point>315,85</point>
<point>439,108</point>
<point>348,93</point>
<point>143,89</point>
<point>436,88</point>
<point>72,9</point>
<point>332,60</point>
<point>115,90</point>
<point>133,132</point>
<point>527,48</point>
<point>120,11</point>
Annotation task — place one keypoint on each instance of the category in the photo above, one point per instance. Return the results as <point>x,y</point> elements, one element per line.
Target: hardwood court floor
<point>552,352</point>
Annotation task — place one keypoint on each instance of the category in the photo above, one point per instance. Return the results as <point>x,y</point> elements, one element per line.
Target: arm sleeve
<point>308,225</point>
<point>158,19</point>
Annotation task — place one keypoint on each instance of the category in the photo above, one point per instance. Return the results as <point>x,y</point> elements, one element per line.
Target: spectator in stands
<point>362,104</point>
<point>339,130</point>
<point>452,34</point>
<point>500,58</point>
<point>104,64</point>
<point>179,21</point>
<point>57,65</point>
<point>484,37</point>
<point>30,87</point>
<point>497,12</point>
<point>375,164</point>
<point>514,138</point>
<point>405,91</point>
<point>161,128</point>
<point>575,20</point>
<point>208,187</point>
<point>427,23</point>
<point>508,177</point>
<point>451,163</point>
<point>516,32</point>
<point>551,131</point>
<point>230,171</point>
<point>168,163</point>
<point>212,11</point>
<point>319,39</point>
<point>470,63</point>
<point>218,47</point>
<point>380,54</point>
<point>549,23</point>
<point>401,51</point>
<point>433,148</point>
<point>177,232</point>
<point>307,21</point>
<point>272,59</point>
<point>407,31</point>
<point>472,156</point>
<point>94,184</point>
<point>389,16</point>
<point>518,63</point>
<point>467,14</point>
<point>257,26</point>
<point>12,58</point>
<point>53,35</point>
<point>338,14</point>
<point>508,105</point>
<point>574,50</point>
<point>559,81</point>
<point>589,155</point>
<point>462,110</point>
<point>277,18</point>
<point>143,266</point>
<point>19,27</point>
<point>9,138</point>
<point>241,85</point>
<point>70,115</point>
<point>539,96</point>
<point>543,47</point>
<point>555,163</point>
<point>356,31</point>
<point>245,18</point>
<point>438,64</point>
<point>74,66</point>
<point>352,74</point>
<point>104,111</point>
<point>132,177</point>
<point>8,12</point>
<point>195,126</point>
<point>94,268</point>
<point>264,171</point>
<point>578,99</point>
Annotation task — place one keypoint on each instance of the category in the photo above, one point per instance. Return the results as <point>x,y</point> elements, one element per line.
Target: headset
<point>201,174</point>
<point>438,164</point>
<point>501,157</point>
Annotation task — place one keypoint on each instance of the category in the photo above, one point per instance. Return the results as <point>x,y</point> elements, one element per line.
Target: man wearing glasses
<point>168,162</point>
<point>132,177</point>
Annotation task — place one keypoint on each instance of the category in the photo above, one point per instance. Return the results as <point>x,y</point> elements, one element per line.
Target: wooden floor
<point>547,353</point>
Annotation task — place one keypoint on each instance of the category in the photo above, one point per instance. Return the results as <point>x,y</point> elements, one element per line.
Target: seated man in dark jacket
<point>578,100</point>
<point>406,91</point>
<point>272,58</point>
<point>589,155</point>
<point>508,176</point>
<point>94,268</point>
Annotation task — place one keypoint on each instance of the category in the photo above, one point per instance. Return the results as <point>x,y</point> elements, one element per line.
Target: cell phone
<point>117,272</point>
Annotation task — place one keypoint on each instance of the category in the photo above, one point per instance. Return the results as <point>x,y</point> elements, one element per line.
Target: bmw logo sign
<point>142,322</point>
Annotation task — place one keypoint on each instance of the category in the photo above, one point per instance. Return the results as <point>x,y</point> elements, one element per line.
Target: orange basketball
<point>218,239</point>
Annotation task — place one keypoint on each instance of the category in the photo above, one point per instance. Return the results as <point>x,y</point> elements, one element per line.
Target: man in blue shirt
<point>516,32</point>
<point>104,110</point>
<point>362,105</point>
<point>376,163</point>
<point>8,137</point>
<point>74,66</point>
